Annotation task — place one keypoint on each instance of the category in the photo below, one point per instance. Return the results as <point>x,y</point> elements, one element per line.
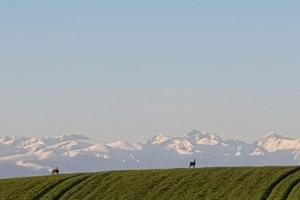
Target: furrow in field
<point>281,178</point>
<point>51,187</point>
<point>295,193</point>
<point>62,190</point>
<point>77,187</point>
<point>293,186</point>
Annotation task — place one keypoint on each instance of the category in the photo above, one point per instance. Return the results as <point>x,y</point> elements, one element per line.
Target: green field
<point>206,183</point>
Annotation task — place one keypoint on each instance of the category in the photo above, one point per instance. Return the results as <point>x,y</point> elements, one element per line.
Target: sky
<point>128,70</point>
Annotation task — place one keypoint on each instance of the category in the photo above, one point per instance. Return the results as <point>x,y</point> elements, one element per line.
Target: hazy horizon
<point>128,70</point>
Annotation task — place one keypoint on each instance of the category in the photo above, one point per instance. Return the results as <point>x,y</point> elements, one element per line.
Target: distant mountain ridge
<point>21,156</point>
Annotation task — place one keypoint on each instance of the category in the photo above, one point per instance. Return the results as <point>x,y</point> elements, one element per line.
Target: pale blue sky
<point>129,69</point>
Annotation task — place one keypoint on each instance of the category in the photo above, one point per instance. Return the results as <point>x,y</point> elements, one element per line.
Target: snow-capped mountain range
<point>22,156</point>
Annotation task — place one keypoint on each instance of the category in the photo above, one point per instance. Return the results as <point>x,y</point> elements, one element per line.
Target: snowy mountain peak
<point>63,137</point>
<point>96,148</point>
<point>274,135</point>
<point>125,145</point>
<point>206,138</point>
<point>160,138</point>
<point>273,142</point>
<point>196,135</point>
<point>6,140</point>
<point>210,140</point>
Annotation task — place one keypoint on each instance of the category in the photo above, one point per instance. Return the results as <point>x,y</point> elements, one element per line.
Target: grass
<point>175,184</point>
<point>283,189</point>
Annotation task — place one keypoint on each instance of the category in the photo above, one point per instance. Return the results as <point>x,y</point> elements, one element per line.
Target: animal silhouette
<point>55,171</point>
<point>192,164</point>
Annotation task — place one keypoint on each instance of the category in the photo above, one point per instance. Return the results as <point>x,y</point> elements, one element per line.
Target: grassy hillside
<point>206,183</point>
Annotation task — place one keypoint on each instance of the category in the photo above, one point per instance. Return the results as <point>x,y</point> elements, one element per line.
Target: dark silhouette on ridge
<point>192,164</point>
<point>55,171</point>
